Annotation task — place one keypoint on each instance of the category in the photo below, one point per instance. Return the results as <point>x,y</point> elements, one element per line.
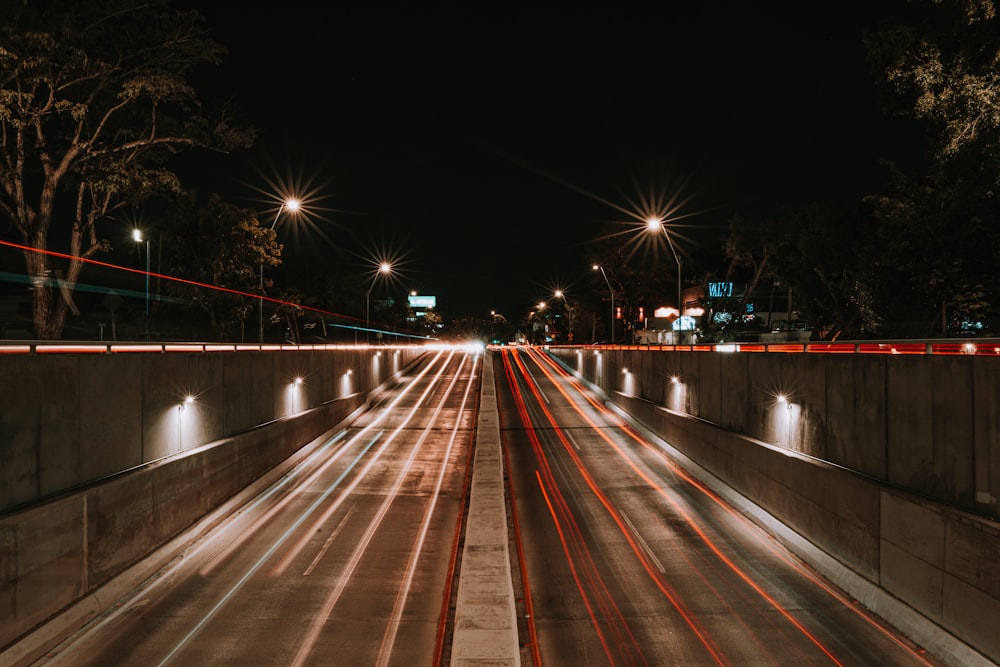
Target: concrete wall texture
<point>925,423</point>
<point>888,464</point>
<point>73,419</point>
<point>103,462</point>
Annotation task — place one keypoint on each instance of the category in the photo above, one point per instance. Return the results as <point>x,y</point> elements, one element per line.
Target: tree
<point>939,68</point>
<point>216,243</point>
<point>812,250</point>
<point>94,101</point>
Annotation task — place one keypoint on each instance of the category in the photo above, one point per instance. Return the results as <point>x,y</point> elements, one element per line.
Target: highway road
<point>626,559</point>
<point>350,559</point>
<point>620,557</point>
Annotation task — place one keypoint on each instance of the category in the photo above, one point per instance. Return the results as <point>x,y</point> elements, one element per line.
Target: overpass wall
<point>103,461</point>
<point>71,419</point>
<point>889,464</point>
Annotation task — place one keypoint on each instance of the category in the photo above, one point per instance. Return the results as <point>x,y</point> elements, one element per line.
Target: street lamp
<point>656,224</point>
<point>598,267</point>
<point>137,237</point>
<point>567,311</point>
<point>292,205</point>
<point>385,268</point>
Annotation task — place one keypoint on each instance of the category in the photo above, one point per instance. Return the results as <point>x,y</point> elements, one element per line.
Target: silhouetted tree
<point>938,224</point>
<point>223,246</point>
<point>94,98</point>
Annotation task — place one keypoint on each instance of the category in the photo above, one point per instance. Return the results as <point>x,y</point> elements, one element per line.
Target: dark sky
<point>485,147</point>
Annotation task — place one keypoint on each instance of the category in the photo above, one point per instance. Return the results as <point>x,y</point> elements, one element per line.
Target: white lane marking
<point>642,543</point>
<point>329,541</point>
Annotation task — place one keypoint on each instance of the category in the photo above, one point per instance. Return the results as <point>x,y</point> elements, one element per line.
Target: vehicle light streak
<point>687,518</point>
<point>296,548</point>
<point>295,525</point>
<point>317,524</point>
<point>253,569</point>
<point>545,364</point>
<point>193,556</point>
<point>444,613</point>
<point>389,638</point>
<point>574,545</point>
<point>567,551</point>
<point>764,541</point>
<point>247,532</point>
<point>320,619</point>
<point>689,618</point>
<point>529,608</point>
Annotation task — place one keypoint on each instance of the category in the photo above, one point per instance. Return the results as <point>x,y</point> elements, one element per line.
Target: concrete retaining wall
<point>59,551</point>
<point>69,419</point>
<point>935,557</point>
<point>926,423</point>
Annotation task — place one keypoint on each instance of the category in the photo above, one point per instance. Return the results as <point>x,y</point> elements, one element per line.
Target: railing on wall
<point>979,347</point>
<point>114,348</point>
<point>982,347</point>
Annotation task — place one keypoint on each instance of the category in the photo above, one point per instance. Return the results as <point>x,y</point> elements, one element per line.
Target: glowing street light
<point>292,205</point>
<point>383,268</point>
<point>137,237</point>
<point>568,311</point>
<point>654,225</point>
<point>598,267</point>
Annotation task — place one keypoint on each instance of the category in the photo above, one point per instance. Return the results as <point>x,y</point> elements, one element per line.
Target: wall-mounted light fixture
<point>295,389</point>
<point>785,400</point>
<point>186,402</point>
<point>677,396</point>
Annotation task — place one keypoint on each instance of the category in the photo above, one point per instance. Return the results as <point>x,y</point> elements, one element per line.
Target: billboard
<point>422,301</point>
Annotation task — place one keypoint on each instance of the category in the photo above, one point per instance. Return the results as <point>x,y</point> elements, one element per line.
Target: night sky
<point>484,148</point>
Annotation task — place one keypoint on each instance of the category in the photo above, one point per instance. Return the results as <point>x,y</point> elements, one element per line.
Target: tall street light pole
<point>384,268</point>
<point>292,205</point>
<point>568,312</point>
<point>655,224</point>
<point>598,267</point>
<point>137,237</point>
